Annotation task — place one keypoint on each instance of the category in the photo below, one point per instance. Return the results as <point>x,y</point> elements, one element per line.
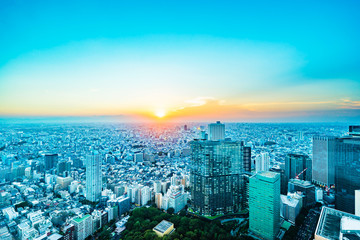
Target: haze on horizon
<point>181,61</point>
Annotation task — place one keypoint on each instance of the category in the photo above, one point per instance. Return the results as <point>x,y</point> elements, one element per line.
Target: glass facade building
<point>264,204</point>
<point>347,173</point>
<point>323,163</point>
<point>216,177</point>
<point>93,176</point>
<point>295,164</point>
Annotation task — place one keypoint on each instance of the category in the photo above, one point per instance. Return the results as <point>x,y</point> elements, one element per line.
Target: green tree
<point>171,210</point>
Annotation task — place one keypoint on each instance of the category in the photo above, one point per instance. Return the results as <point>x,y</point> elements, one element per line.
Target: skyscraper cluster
<point>336,163</point>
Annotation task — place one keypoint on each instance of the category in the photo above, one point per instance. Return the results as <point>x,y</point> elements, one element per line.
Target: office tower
<point>323,163</point>
<point>246,157</point>
<point>62,167</point>
<point>123,204</point>
<point>215,177</point>
<point>283,181</point>
<point>306,188</point>
<point>289,208</point>
<point>264,204</point>
<point>83,227</point>
<point>262,162</point>
<point>50,160</point>
<point>357,203</point>
<point>185,127</point>
<point>216,131</point>
<point>347,171</point>
<point>295,165</point>
<point>93,176</point>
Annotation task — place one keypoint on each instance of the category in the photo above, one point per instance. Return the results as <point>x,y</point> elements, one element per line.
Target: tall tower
<point>215,177</point>
<point>264,204</point>
<point>93,176</point>
<point>246,155</point>
<point>262,162</point>
<point>50,160</point>
<point>347,170</point>
<point>323,163</point>
<point>216,131</point>
<point>295,164</point>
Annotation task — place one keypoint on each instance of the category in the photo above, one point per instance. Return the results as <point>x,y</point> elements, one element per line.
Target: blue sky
<point>257,59</point>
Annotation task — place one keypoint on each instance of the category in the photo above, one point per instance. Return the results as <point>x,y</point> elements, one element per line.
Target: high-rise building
<point>347,170</point>
<point>262,162</point>
<point>297,163</point>
<point>83,227</point>
<point>62,167</point>
<point>283,181</point>
<point>246,157</point>
<point>50,160</point>
<point>215,177</point>
<point>289,208</point>
<point>323,163</point>
<point>216,131</point>
<point>93,176</point>
<point>306,188</point>
<point>157,186</point>
<point>68,231</point>
<point>264,204</point>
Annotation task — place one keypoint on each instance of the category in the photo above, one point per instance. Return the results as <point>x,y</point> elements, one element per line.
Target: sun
<point>160,113</point>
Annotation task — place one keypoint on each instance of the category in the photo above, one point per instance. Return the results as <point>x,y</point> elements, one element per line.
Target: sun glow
<point>160,113</point>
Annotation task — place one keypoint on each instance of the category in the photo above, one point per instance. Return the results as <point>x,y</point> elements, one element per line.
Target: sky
<point>181,60</point>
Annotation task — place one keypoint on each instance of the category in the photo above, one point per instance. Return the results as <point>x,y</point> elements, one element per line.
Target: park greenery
<point>143,220</point>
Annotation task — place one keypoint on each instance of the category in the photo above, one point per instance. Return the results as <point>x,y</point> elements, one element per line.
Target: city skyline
<point>181,62</point>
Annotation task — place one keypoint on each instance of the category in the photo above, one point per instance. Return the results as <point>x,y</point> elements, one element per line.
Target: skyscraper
<point>323,163</point>
<point>93,176</point>
<point>216,131</point>
<point>246,156</point>
<point>264,204</point>
<point>262,162</point>
<point>347,170</point>
<point>295,164</point>
<point>50,160</point>
<point>215,177</point>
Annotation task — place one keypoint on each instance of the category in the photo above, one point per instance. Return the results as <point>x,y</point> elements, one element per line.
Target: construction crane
<point>297,176</point>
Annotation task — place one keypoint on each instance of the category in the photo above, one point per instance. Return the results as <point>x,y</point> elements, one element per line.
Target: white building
<point>157,186</point>
<point>83,227</point>
<point>10,213</point>
<point>289,208</point>
<point>145,195</point>
<point>262,162</point>
<point>357,203</point>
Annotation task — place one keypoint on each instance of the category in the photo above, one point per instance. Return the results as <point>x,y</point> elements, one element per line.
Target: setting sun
<point>160,113</point>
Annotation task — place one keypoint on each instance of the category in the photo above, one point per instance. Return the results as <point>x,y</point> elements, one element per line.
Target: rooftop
<point>78,219</point>
<point>163,226</point>
<point>332,222</point>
